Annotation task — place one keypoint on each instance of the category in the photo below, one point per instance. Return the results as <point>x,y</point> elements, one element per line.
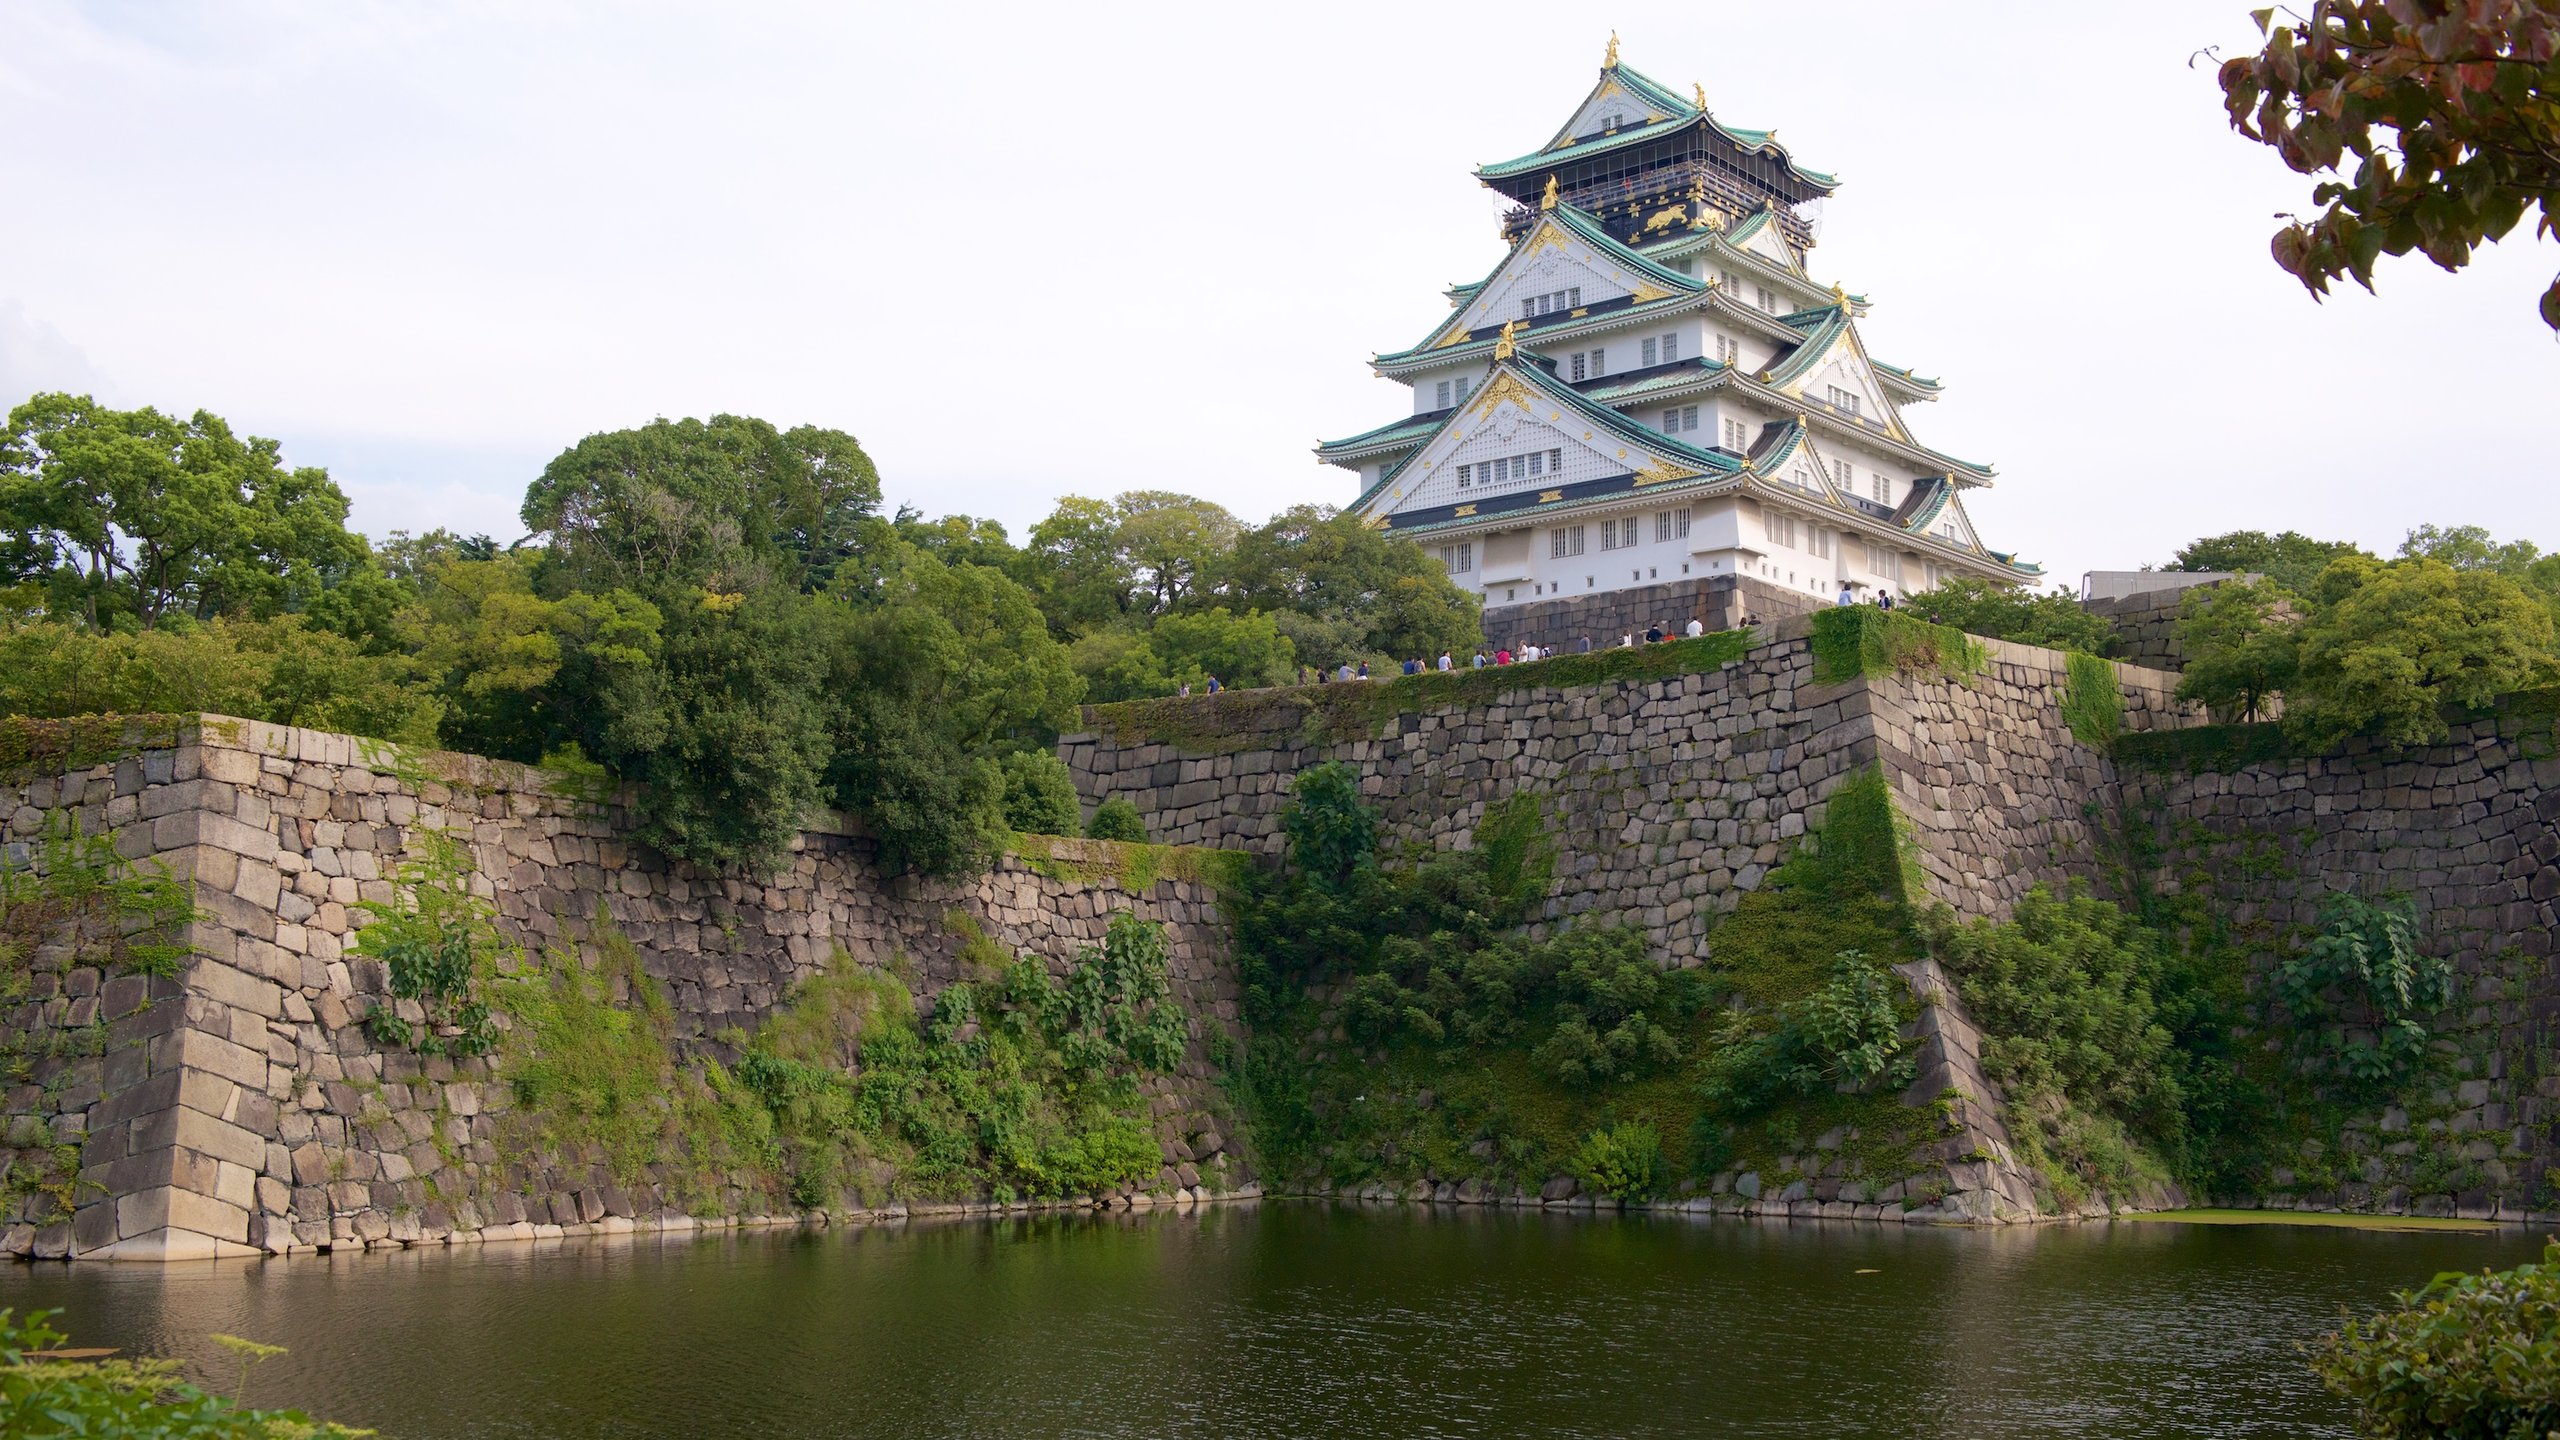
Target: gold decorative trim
<point>1647,293</point>
<point>1454,337</point>
<point>1545,497</point>
<point>1662,473</point>
<point>1462,512</point>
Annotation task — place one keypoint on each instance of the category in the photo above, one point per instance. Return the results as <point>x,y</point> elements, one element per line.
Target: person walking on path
<point>1364,669</point>
<point>1214,686</point>
<point>1582,646</point>
<point>1697,627</point>
<point>1653,634</point>
<point>1847,598</point>
<point>1887,600</point>
<point>1446,665</point>
<point>1502,655</point>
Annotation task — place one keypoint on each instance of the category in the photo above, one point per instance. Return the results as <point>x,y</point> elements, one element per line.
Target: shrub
<point>2475,1357</point>
<point>1039,794</point>
<point>42,1399</point>
<point>1116,819</point>
<point>1623,1162</point>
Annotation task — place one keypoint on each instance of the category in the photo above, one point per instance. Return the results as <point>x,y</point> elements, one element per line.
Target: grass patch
<point>2206,749</point>
<point>2315,1219</point>
<point>1869,642</point>
<point>1341,711</point>
<point>2092,702</point>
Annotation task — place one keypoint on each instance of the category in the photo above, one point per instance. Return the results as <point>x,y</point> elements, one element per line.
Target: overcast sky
<point>1021,251</point>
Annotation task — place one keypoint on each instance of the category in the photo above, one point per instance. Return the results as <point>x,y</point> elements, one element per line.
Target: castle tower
<point>1650,409</point>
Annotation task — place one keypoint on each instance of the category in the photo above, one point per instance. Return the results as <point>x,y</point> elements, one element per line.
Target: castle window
<point>1537,462</point>
<point>1782,530</point>
<point>1844,476</point>
<point>1573,298</point>
<point>1843,399</point>
<point>1880,491</point>
<point>1462,389</point>
<point>1599,362</point>
<point>1681,265</point>
<point>1728,350</point>
<point>1458,559</point>
<point>1564,541</point>
<point>1821,544</point>
<point>1609,535</point>
<point>1555,462</point>
<point>1736,437</point>
<point>1670,347</point>
<point>1688,417</point>
<point>1768,298</point>
<point>1466,476</point>
<point>1579,365</point>
<point>1650,347</point>
<point>1671,525</point>
<point>1440,396</point>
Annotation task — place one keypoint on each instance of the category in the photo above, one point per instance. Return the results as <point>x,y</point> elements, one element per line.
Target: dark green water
<point>1297,1320</point>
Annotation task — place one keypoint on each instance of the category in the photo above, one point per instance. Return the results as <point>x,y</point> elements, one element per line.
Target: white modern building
<point>1651,391</point>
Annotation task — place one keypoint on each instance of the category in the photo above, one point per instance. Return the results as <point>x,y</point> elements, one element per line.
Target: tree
<point>1186,649</point>
<point>523,675</point>
<point>2470,93</point>
<point>2469,547</point>
<point>1341,591</point>
<point>2240,643</point>
<point>2292,560</point>
<point>281,670</point>
<point>1074,566</point>
<point>135,517</point>
<point>1039,794</point>
<point>728,504</point>
<point>1168,542</point>
<point>2057,621</point>
<point>2387,646</point>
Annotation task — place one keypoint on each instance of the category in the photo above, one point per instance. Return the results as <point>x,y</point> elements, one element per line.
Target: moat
<point>1293,1319</point>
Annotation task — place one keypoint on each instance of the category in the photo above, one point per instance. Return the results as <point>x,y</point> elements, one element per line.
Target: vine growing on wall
<point>441,944</point>
<point>71,888</point>
<point>2092,702</point>
<point>2365,971</point>
<point>1868,642</point>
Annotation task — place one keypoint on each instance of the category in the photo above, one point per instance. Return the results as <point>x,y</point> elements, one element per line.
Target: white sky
<point>1024,250</point>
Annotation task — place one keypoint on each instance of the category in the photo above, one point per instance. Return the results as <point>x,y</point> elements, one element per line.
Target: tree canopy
<point>2292,559</point>
<point>2435,125</point>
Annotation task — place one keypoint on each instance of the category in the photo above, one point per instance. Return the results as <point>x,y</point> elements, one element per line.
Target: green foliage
<point>2205,749</point>
<point>2063,993</point>
<point>43,1398</point>
<point>2291,560</point>
<point>1623,1162</point>
<point>1187,648</point>
<point>1852,642</point>
<point>2447,111</point>
<point>2468,1357</point>
<point>125,519</point>
<point>1016,1082</point>
<point>2386,647</point>
<point>281,670</point>
<point>2364,970</point>
<point>2239,646</point>
<point>1039,794</point>
<point>1116,819</point>
<point>1845,1035</point>
<point>442,947</point>
<point>2056,621</point>
<point>1342,592</point>
<point>2092,701</point>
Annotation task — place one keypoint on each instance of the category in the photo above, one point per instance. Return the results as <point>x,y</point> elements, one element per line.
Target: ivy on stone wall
<point>441,944</point>
<point>2092,701</point>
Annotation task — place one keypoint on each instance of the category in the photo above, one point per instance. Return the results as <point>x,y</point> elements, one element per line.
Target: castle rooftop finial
<point>1701,91</point>
<point>1505,346</point>
<point>1610,62</point>
<point>1548,200</point>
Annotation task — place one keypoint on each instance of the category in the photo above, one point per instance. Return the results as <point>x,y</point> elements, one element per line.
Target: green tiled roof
<point>1583,227</point>
<point>1412,427</point>
<point>1683,112</point>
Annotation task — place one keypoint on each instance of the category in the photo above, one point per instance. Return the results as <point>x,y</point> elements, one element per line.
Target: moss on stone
<point>31,747</point>
<point>2205,749</point>
<point>1134,866</point>
<point>1330,714</point>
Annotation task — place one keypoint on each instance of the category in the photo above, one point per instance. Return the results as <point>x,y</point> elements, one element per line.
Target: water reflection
<point>1296,1320</point>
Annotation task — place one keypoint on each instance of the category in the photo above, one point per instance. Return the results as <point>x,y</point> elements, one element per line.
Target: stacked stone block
<point>243,1108</point>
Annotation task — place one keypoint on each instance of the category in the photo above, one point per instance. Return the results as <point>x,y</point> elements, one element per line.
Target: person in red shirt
<point>1502,656</point>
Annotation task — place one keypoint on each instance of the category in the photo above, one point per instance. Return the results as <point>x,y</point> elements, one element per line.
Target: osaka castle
<point>1651,410</point>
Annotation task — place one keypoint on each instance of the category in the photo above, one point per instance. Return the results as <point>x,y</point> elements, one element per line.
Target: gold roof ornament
<point>1839,296</point>
<point>1701,90</point>
<point>1548,200</point>
<point>1610,62</point>
<point>1504,345</point>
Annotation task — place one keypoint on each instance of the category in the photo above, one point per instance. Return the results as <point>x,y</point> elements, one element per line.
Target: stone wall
<point>1718,602</point>
<point>1672,798</point>
<point>242,1107</point>
<point>2471,829</point>
<point>2145,626</point>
